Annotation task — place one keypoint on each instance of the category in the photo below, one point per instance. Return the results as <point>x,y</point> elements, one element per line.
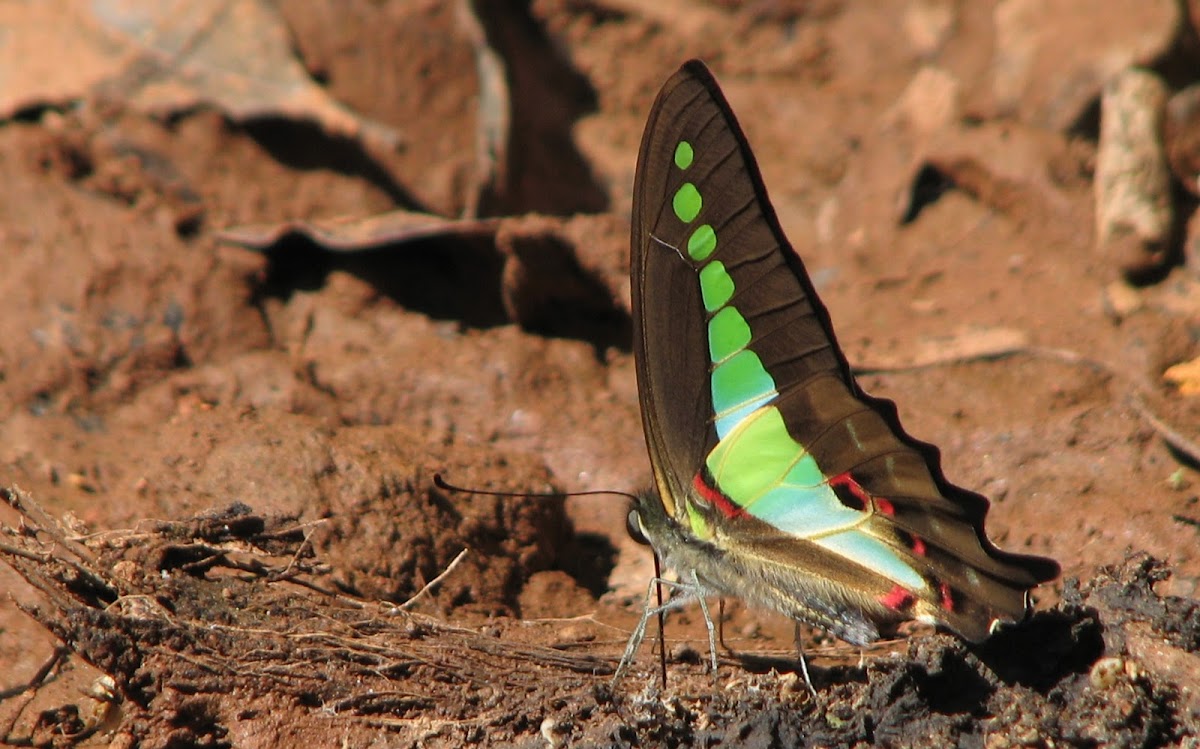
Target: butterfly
<point>777,480</point>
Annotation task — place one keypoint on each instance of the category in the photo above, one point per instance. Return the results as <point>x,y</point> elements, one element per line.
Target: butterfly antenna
<point>441,483</point>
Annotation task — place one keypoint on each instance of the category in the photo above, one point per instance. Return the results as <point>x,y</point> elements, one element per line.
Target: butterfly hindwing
<point>775,472</point>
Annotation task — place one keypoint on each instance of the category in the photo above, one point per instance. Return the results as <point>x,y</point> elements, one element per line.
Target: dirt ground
<point>267,270</point>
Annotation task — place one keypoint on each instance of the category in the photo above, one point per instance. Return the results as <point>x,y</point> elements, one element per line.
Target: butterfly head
<point>646,518</point>
<point>649,524</point>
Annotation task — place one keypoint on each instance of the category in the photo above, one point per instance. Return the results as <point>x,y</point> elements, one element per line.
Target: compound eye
<point>633,524</point>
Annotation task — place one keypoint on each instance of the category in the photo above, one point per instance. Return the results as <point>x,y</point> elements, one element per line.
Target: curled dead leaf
<point>1185,376</point>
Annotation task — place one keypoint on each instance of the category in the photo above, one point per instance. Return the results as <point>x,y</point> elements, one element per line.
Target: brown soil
<point>225,456</point>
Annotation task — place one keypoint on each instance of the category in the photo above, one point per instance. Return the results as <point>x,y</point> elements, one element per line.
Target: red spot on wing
<point>897,599</point>
<point>914,543</point>
<point>714,497</point>
<point>947,596</point>
<point>853,495</point>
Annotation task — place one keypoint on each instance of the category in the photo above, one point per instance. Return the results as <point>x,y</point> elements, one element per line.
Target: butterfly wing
<point>764,449</point>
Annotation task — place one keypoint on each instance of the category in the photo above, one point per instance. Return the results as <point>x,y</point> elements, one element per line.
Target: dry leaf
<point>966,345</point>
<point>165,57</point>
<point>52,52</point>
<point>353,235</point>
<point>532,270</point>
<point>1185,376</point>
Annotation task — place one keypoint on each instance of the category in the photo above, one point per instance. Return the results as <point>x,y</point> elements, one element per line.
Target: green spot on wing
<point>728,333</point>
<point>739,386</point>
<point>683,154</point>
<point>687,202</point>
<point>716,286</point>
<point>702,243</point>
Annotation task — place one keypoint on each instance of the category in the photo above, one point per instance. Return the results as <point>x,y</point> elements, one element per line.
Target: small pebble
<point>1106,673</point>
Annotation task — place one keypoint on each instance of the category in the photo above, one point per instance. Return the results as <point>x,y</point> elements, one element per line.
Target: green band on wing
<point>739,385</point>
<point>683,154</point>
<point>687,202</point>
<point>702,243</point>
<point>716,286</point>
<point>728,334</point>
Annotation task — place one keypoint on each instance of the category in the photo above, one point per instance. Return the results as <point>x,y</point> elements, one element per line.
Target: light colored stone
<point>928,23</point>
<point>1132,183</point>
<point>1121,300</point>
<point>930,101</point>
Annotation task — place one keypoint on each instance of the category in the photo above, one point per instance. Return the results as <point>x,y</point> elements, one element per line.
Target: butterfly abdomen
<point>726,571</point>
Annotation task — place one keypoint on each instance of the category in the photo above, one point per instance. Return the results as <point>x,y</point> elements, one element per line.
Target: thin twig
<point>1173,438</point>
<point>39,676</point>
<point>449,568</point>
<point>27,506</point>
<point>33,556</point>
<point>299,550</point>
<point>353,603</point>
<point>29,687</point>
<point>1002,350</point>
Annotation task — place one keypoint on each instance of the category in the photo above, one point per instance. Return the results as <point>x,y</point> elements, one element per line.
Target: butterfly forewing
<point>672,380</point>
<point>764,448</point>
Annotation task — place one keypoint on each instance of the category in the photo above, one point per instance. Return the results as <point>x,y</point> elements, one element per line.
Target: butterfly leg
<point>681,594</point>
<point>804,662</point>
<point>708,623</point>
